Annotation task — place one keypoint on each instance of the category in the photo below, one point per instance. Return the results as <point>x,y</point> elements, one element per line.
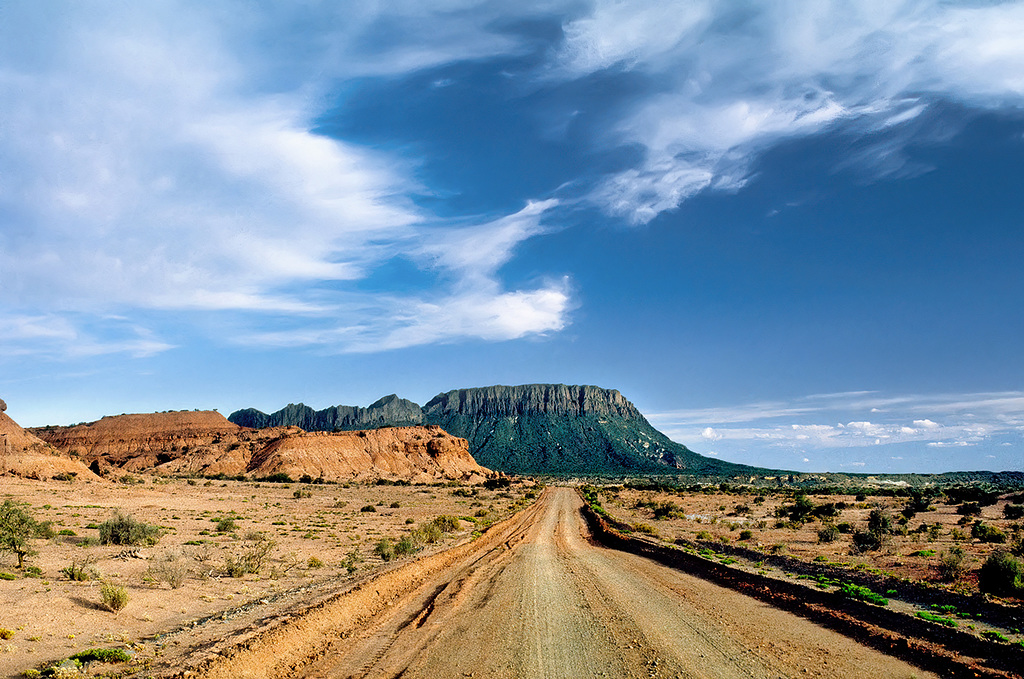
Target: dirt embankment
<point>949,652</point>
<point>205,443</point>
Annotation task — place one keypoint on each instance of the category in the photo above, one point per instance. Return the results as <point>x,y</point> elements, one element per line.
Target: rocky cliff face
<point>532,399</point>
<point>205,443</point>
<point>388,411</point>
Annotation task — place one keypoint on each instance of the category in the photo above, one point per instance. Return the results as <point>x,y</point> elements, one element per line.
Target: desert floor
<point>321,537</point>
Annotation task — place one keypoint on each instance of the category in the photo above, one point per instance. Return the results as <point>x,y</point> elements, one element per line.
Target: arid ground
<point>321,541</point>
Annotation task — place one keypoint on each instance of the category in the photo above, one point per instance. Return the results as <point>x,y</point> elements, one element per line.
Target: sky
<point>789,232</point>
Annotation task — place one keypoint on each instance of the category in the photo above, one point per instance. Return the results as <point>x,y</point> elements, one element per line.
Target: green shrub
<point>8,576</point>
<point>746,534</point>
<point>1002,574</point>
<point>17,527</point>
<point>226,525</point>
<point>368,508</point>
<point>645,528</point>
<point>931,617</point>
<point>986,533</point>
<point>102,655</point>
<point>80,572</point>
<point>1013,512</point>
<point>995,635</point>
<point>704,535</point>
<point>862,593</point>
<point>447,524</point>
<point>114,597</point>
<point>6,634</point>
<point>828,534</point>
<point>428,533</point>
<point>314,563</point>
<point>385,549</point>
<point>122,529</point>
<point>405,546</point>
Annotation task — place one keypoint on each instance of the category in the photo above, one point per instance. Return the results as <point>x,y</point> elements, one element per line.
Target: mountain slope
<point>560,429</point>
<point>526,429</point>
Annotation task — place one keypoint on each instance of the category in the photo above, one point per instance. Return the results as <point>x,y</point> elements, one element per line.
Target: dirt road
<point>546,602</point>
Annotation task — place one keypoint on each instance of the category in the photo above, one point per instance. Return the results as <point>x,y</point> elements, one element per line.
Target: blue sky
<point>790,232</point>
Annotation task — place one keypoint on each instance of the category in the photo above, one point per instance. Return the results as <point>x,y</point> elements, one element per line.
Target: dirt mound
<point>25,455</point>
<point>411,453</point>
<point>204,443</point>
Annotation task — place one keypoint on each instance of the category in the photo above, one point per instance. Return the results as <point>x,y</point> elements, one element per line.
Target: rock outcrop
<point>390,411</point>
<point>25,455</point>
<point>412,453</point>
<point>204,443</point>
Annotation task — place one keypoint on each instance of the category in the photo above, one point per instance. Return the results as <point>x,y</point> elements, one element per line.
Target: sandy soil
<point>533,597</point>
<point>52,617</point>
<point>714,517</point>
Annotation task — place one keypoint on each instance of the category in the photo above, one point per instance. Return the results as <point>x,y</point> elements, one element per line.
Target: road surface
<point>547,602</point>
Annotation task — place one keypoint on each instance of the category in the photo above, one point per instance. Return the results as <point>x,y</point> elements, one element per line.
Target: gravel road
<point>544,601</point>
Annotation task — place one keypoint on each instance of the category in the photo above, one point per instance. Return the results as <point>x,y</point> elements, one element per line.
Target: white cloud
<point>971,419</point>
<point>166,160</point>
<point>735,79</point>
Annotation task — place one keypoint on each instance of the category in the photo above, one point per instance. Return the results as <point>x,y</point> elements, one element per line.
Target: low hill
<point>25,455</point>
<point>204,443</point>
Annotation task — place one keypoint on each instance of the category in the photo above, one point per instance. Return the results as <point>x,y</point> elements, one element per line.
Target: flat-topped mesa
<point>546,399</point>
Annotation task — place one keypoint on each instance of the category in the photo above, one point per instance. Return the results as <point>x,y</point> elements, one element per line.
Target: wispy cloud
<point>164,157</point>
<point>732,79</point>
<point>159,162</point>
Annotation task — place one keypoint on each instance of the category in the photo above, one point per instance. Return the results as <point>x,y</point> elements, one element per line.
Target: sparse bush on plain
<point>746,534</point>
<point>17,527</point>
<point>170,567</point>
<point>986,533</point>
<point>951,563</point>
<point>123,529</point>
<point>314,562</point>
<point>80,571</point>
<point>368,508</point>
<point>447,524</point>
<point>252,559</point>
<point>828,534</point>
<point>114,597</point>
<point>1013,512</point>
<point>1002,574</point>
<point>6,634</point>
<point>226,524</point>
<point>405,546</point>
<point>385,549</point>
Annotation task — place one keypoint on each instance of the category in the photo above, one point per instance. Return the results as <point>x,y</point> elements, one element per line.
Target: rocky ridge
<point>204,443</point>
<point>542,428</point>
<point>388,411</point>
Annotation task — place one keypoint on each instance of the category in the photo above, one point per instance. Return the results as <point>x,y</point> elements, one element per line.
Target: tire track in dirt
<point>535,597</point>
<point>554,605</point>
